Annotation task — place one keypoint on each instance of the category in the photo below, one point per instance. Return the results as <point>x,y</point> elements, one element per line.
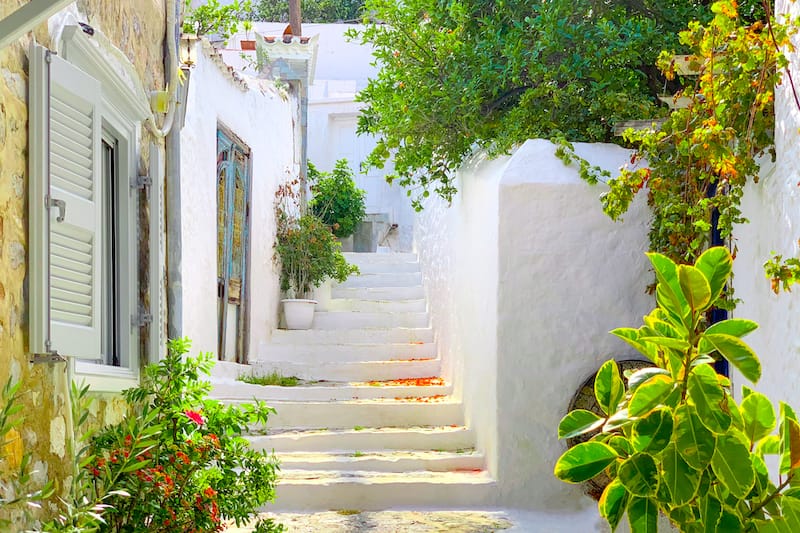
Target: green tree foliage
<point>673,439</point>
<point>335,198</point>
<point>461,74</point>
<point>312,10</point>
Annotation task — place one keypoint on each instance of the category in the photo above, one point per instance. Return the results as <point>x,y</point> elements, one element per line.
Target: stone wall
<point>137,28</point>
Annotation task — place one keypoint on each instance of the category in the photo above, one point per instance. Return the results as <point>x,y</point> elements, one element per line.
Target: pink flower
<point>195,417</point>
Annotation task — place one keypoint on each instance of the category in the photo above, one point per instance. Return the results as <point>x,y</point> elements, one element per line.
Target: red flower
<point>195,417</point>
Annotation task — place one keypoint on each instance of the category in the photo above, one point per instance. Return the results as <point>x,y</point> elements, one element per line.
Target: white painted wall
<point>264,121</point>
<point>773,208</point>
<point>526,275</point>
<point>343,68</point>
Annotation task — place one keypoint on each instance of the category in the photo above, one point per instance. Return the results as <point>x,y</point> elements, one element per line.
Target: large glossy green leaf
<point>668,291</point>
<point>653,432</point>
<point>608,387</point>
<point>694,441</point>
<point>736,327</point>
<point>738,353</point>
<point>681,480</point>
<point>584,461</point>
<point>716,265</point>
<point>758,415</point>
<point>578,422</point>
<point>770,445</point>
<point>710,512</point>
<point>643,515</point>
<point>666,342</point>
<point>729,523</point>
<point>613,503</point>
<point>650,395</point>
<point>709,399</point>
<point>732,466</point>
<point>639,474</point>
<point>631,336</point>
<point>641,376</point>
<point>695,287</point>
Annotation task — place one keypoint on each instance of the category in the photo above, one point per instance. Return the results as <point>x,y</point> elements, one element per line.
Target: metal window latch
<point>142,319</point>
<point>141,181</point>
<point>60,204</point>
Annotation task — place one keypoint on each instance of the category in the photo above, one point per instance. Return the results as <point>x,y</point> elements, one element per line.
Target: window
<point>83,277</point>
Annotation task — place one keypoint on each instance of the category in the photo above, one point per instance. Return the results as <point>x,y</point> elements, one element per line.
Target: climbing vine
<point>695,165</point>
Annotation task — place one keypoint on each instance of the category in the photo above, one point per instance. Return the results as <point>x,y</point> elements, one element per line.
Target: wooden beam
<point>25,18</point>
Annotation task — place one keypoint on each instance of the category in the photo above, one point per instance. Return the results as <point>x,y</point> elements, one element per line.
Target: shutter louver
<point>68,280</point>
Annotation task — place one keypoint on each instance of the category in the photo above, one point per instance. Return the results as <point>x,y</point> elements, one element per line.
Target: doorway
<point>233,246</point>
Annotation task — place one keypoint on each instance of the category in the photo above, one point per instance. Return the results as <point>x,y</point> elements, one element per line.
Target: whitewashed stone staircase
<point>347,441</point>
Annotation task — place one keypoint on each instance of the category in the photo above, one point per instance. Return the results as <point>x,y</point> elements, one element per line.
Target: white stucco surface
<point>773,208</point>
<point>264,122</point>
<point>526,275</point>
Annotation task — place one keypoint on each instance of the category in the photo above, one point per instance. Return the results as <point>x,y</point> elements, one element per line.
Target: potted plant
<point>308,254</point>
<point>336,199</point>
<point>247,43</point>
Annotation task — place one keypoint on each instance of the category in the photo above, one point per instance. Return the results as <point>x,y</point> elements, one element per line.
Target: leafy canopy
<point>673,439</point>
<point>460,74</point>
<point>313,10</point>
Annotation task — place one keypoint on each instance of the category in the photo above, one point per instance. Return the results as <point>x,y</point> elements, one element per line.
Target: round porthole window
<point>584,399</point>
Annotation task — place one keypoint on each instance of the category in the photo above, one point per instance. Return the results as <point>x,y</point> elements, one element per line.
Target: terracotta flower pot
<point>248,45</point>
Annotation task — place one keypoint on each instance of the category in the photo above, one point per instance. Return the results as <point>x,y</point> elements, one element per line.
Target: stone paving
<point>389,522</point>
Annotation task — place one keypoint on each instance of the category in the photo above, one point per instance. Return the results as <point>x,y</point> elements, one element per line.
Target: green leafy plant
<point>335,198</point>
<point>179,462</point>
<point>673,440</point>
<point>467,74</point>
<point>273,378</point>
<point>16,493</point>
<point>214,18</point>
<point>313,10</point>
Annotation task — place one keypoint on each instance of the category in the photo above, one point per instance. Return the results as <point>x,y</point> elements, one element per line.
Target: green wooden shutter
<point>65,208</point>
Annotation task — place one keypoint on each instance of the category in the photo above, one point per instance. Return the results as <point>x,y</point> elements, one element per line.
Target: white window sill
<point>104,378</point>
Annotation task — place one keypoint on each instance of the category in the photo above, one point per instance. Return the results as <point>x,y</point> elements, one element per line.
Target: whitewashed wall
<point>526,275</point>
<point>773,207</point>
<point>263,120</point>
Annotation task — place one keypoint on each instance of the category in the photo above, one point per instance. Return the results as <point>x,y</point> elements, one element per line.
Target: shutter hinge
<point>49,357</point>
<point>141,181</point>
<point>141,320</point>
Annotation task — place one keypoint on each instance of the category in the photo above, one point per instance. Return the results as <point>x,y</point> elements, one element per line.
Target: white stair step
<point>350,320</point>
<point>384,461</point>
<point>383,280</point>
<point>320,353</point>
<point>369,491</point>
<point>323,391</point>
<point>368,305</point>
<point>347,336</point>
<point>389,268</point>
<point>360,258</point>
<point>444,438</point>
<point>354,371</point>
<point>378,293</point>
<point>344,414</point>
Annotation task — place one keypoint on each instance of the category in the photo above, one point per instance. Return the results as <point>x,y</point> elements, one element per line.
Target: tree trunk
<point>295,18</point>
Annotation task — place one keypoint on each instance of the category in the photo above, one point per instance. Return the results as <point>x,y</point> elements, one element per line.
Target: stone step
<point>403,412</point>
<point>324,391</point>
<point>351,320</point>
<point>384,461</point>
<point>442,438</point>
<point>320,353</point>
<point>351,371</point>
<point>389,268</point>
<point>360,258</point>
<point>381,306</point>
<point>308,490</point>
<point>352,336</point>
<point>378,293</point>
<point>403,279</point>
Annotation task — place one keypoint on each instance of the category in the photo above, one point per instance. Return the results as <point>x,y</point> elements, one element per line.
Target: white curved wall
<point>526,275</point>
